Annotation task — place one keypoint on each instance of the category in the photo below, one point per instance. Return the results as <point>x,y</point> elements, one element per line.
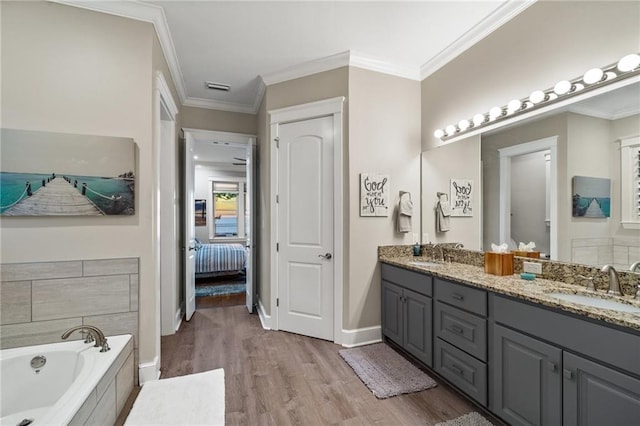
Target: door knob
<point>326,255</point>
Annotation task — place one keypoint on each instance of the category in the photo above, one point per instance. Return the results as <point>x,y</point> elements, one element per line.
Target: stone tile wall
<point>39,301</point>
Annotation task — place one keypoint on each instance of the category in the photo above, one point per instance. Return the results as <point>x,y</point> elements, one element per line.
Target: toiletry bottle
<point>416,249</point>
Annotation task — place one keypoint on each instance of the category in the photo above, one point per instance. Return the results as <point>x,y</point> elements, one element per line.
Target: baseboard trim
<point>177,322</point>
<point>149,371</point>
<point>265,319</point>
<point>361,336</point>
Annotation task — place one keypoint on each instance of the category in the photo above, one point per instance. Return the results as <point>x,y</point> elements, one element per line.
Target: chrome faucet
<point>441,250</point>
<point>634,268</point>
<point>95,334</point>
<point>458,246</point>
<point>614,280</point>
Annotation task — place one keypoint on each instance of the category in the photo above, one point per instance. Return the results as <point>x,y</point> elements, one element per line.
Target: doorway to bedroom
<point>218,234</point>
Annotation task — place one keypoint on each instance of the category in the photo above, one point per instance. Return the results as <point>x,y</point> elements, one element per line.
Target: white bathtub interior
<point>54,392</point>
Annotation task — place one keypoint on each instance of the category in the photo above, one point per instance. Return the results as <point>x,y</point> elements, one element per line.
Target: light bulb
<point>450,129</point>
<point>463,125</point>
<point>514,106</point>
<point>478,119</point>
<point>495,112</point>
<point>537,96</point>
<point>439,133</point>
<point>594,75</point>
<point>562,87</point>
<point>629,62</point>
<point>195,157</point>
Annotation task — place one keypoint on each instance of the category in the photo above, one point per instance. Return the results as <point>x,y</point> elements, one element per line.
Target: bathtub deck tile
<point>124,383</point>
<point>15,302</point>
<point>105,411</point>
<point>113,370</point>
<point>93,268</point>
<point>85,411</point>
<point>36,333</point>
<point>91,296</point>
<point>40,270</point>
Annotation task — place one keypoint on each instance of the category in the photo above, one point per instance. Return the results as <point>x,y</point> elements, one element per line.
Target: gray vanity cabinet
<point>407,311</point>
<point>596,395</point>
<point>527,379</point>
<point>549,368</point>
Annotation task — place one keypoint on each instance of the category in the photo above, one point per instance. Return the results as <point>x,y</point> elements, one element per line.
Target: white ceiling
<point>249,43</point>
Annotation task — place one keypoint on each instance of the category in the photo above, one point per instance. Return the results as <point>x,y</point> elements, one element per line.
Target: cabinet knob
<point>456,329</point>
<point>457,296</point>
<point>568,374</point>
<point>457,369</point>
<point>552,366</point>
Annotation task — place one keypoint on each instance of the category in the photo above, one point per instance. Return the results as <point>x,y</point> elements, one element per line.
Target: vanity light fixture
<point>217,86</point>
<point>626,67</point>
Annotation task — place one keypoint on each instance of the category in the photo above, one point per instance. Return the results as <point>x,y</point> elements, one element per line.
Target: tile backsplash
<point>40,300</point>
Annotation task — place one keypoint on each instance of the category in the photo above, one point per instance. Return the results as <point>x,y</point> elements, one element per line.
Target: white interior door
<point>189,239</point>
<point>305,227</point>
<point>249,222</point>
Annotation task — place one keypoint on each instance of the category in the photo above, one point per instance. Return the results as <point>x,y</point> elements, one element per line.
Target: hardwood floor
<point>279,378</point>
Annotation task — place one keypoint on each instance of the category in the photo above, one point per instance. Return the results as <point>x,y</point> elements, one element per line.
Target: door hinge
<point>277,302</point>
<point>277,246</point>
<point>277,142</point>
<point>277,198</point>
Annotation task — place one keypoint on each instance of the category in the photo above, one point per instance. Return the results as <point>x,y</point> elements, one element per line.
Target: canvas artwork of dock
<point>88,178</point>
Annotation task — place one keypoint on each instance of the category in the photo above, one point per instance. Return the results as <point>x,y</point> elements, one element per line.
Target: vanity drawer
<point>415,281</point>
<point>462,329</point>
<point>464,297</point>
<point>462,370</point>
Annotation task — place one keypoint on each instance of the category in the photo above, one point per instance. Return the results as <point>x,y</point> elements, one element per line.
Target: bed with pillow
<point>220,259</point>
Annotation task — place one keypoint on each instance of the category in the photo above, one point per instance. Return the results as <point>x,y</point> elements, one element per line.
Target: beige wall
<point>69,70</point>
<point>384,137</point>
<point>548,42</point>
<point>221,121</point>
<point>460,160</point>
<point>325,85</point>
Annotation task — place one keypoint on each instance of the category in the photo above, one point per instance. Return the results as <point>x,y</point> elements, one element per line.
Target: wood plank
<point>281,378</point>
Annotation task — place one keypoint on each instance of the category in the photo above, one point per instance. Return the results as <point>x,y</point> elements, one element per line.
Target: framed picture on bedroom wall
<point>201,212</point>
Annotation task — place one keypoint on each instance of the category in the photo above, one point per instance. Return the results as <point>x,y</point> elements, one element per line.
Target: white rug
<point>470,419</point>
<point>196,399</point>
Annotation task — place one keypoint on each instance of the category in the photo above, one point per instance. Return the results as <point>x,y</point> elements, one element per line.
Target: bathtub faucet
<point>94,332</point>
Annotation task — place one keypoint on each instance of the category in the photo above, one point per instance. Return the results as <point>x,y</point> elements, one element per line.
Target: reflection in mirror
<point>520,201</point>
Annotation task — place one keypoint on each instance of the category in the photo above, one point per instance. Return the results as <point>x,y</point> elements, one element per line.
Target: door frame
<point>551,144</point>
<point>164,245</point>
<point>325,108</point>
<point>236,139</point>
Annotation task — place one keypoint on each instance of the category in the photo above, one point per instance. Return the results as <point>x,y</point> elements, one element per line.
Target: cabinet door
<point>597,395</point>
<point>525,379</point>
<point>392,312</point>
<point>417,326</point>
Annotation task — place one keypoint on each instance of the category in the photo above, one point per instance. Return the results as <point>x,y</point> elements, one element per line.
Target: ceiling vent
<point>217,86</point>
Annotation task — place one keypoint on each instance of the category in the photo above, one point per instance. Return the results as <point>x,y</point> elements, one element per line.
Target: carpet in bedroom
<point>219,289</point>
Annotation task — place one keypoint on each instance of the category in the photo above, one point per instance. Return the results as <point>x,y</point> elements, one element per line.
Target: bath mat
<point>385,372</point>
<point>195,399</point>
<point>470,419</point>
<point>216,290</point>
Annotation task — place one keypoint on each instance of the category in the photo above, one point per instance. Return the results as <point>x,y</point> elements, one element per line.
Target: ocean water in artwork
<point>111,195</point>
<point>591,206</point>
<point>13,187</point>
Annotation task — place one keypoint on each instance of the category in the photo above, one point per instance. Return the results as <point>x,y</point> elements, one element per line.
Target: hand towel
<point>405,211</point>
<point>443,211</point>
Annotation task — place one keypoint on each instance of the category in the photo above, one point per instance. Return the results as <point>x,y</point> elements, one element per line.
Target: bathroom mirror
<point>525,173</point>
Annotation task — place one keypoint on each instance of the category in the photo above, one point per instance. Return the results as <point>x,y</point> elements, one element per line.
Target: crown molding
<point>492,22</point>
<point>147,13</point>
<point>219,105</point>
<point>596,113</point>
<point>359,60</point>
<point>307,68</point>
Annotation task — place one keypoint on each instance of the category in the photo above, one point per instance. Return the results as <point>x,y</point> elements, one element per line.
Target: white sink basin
<point>596,302</point>
<point>425,264</point>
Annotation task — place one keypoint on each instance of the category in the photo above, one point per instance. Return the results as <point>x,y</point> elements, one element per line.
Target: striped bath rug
<point>385,372</point>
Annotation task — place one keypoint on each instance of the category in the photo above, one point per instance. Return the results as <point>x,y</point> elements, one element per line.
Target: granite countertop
<point>536,291</point>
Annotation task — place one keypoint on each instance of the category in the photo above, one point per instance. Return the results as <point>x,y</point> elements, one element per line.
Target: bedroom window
<point>228,209</point>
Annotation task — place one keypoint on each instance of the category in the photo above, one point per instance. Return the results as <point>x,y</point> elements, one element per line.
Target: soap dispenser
<point>416,249</point>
